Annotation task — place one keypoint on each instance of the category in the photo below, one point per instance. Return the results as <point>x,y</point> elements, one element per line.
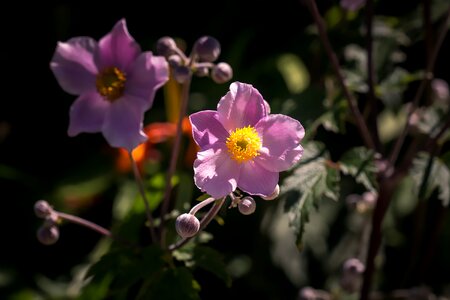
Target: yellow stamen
<point>110,83</point>
<point>243,144</point>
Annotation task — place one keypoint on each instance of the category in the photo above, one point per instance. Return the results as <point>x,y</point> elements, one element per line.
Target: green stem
<point>173,160</point>
<point>140,184</point>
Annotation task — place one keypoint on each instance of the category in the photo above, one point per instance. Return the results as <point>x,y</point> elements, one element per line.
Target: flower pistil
<point>243,144</point>
<point>110,83</point>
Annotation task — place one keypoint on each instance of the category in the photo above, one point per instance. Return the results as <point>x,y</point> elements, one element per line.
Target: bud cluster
<point>205,51</point>
<point>362,203</point>
<point>48,233</point>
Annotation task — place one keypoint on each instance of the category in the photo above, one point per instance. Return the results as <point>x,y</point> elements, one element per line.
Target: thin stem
<point>386,188</point>
<point>203,223</point>
<point>140,184</point>
<point>364,131</point>
<point>372,103</point>
<point>174,157</point>
<point>423,84</point>
<point>200,205</point>
<point>92,226</point>
<point>83,222</point>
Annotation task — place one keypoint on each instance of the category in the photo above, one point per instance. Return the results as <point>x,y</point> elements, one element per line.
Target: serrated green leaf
<point>430,174</point>
<point>313,179</point>
<point>359,163</point>
<point>212,261</point>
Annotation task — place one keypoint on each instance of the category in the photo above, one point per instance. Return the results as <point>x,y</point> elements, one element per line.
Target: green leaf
<point>314,179</point>
<point>125,268</point>
<point>171,284</point>
<point>359,163</point>
<point>430,174</point>
<point>212,261</point>
<point>391,88</point>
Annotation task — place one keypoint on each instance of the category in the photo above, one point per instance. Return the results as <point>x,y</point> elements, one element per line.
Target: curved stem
<point>364,131</point>
<point>92,226</point>
<point>140,184</point>
<point>83,222</point>
<point>174,157</point>
<point>200,205</point>
<point>203,223</point>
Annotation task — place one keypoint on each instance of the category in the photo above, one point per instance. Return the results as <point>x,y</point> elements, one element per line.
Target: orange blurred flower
<point>157,133</point>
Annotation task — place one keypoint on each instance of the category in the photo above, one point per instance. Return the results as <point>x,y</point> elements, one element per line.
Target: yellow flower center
<point>110,83</point>
<point>243,144</point>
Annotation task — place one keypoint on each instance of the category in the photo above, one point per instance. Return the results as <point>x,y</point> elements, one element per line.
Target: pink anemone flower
<point>242,145</point>
<point>115,81</point>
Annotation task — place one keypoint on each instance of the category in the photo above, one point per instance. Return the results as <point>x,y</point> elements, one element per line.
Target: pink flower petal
<point>281,136</point>
<point>206,128</point>
<point>87,114</point>
<point>243,105</point>
<point>123,123</point>
<point>215,172</point>
<point>117,49</point>
<point>256,180</point>
<point>147,74</point>
<point>73,65</point>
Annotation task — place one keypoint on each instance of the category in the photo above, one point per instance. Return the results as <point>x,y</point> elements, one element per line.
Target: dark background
<point>36,153</point>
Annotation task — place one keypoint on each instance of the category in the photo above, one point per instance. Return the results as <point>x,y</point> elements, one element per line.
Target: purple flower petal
<point>73,65</point>
<point>215,172</point>
<point>87,113</point>
<point>147,74</point>
<point>206,128</point>
<point>281,136</point>
<point>256,180</point>
<point>117,48</point>
<point>123,123</point>
<point>243,105</point>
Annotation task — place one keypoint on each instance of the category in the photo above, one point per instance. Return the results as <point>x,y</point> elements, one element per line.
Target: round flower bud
<point>351,279</point>
<point>175,60</point>
<point>166,46</point>
<point>354,266</point>
<point>202,72</point>
<point>307,293</point>
<point>222,72</point>
<point>207,48</point>
<point>187,225</point>
<point>181,74</point>
<point>247,206</point>
<point>48,235</point>
<point>440,90</point>
<point>274,194</point>
<point>42,209</point>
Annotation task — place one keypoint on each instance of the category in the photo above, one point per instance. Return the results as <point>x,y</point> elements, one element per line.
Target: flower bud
<point>352,5</point>
<point>175,60</point>
<point>207,48</point>
<point>166,46</point>
<point>48,235</point>
<point>307,293</point>
<point>274,194</point>
<point>42,209</point>
<point>202,72</point>
<point>440,90</point>
<point>247,206</point>
<point>222,72</point>
<point>351,279</point>
<point>187,225</point>
<point>181,74</point>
